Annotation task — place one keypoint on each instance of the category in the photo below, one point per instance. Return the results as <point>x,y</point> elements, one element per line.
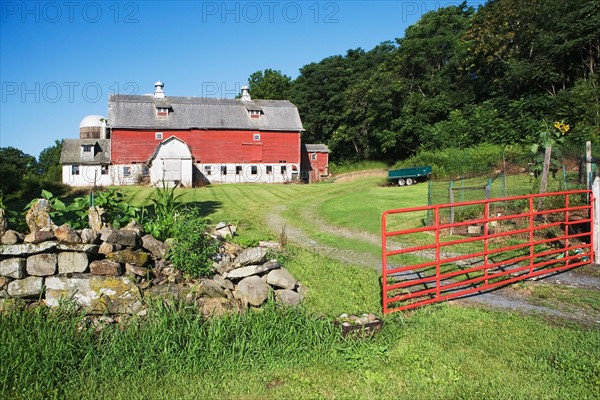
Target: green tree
<point>14,166</point>
<point>270,84</point>
<point>48,164</point>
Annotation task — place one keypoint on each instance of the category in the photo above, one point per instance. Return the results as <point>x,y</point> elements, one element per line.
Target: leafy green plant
<point>193,250</point>
<point>118,211</point>
<point>166,204</point>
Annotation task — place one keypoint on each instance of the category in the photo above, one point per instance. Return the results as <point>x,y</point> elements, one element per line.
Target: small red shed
<point>314,162</point>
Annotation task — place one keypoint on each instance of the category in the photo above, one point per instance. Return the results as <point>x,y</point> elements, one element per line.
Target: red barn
<point>314,162</point>
<point>186,140</point>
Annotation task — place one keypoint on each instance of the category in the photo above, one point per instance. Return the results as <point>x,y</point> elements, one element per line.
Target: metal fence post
<point>596,222</point>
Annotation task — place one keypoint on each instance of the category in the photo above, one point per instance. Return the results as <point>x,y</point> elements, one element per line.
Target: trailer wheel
<point>409,181</point>
<point>401,182</point>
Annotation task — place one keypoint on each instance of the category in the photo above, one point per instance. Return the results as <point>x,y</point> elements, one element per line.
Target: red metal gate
<point>473,246</point>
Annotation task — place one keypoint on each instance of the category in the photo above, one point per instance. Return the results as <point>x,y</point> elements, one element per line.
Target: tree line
<point>501,74</point>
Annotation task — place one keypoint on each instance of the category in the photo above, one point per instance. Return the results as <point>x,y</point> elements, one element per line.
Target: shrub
<point>193,250</point>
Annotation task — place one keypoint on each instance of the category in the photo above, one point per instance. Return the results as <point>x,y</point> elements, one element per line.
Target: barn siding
<point>209,146</point>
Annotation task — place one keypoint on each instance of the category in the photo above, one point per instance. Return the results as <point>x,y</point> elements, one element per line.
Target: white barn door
<point>172,169</point>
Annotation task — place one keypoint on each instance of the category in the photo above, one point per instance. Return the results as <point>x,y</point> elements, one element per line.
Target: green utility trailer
<point>409,176</point>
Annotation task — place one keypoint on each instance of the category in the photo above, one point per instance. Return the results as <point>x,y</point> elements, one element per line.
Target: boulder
<point>39,237</point>
<point>168,292</point>
<point>26,248</point>
<point>250,270</point>
<point>105,232</point>
<point>135,257</point>
<point>106,268</point>
<point>252,290</point>
<point>107,248</point>
<point>79,247</point>
<point>38,217</point>
<point>138,271</point>
<point>134,226</point>
<point>224,283</point>
<point>96,218</point>
<point>13,268</point>
<point>89,236</point>
<point>96,294</point>
<point>30,287</point>
<point>43,264</point>
<point>11,237</point>
<point>124,238</point>
<point>254,255</point>
<point>66,234</point>
<point>154,246</point>
<point>209,288</point>
<point>287,297</point>
<point>71,262</point>
<point>281,278</point>
<point>3,222</point>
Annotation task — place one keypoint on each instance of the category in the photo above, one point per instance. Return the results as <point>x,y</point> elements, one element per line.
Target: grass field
<point>442,351</point>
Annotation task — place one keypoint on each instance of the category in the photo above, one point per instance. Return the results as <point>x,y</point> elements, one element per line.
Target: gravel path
<point>502,298</point>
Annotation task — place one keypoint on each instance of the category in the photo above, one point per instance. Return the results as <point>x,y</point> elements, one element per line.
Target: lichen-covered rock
<point>168,292</point>
<point>11,237</point>
<point>106,268</point>
<point>79,247</point>
<point>66,234</point>
<point>154,246</point>
<point>89,236</point>
<point>43,264</point>
<point>30,287</point>
<point>129,256</point>
<point>254,255</point>
<point>287,297</point>
<point>96,218</point>
<point>281,278</point>
<point>13,267</point>
<point>252,290</point>
<point>38,216</point>
<point>71,262</point>
<point>26,248</point>
<point>97,294</point>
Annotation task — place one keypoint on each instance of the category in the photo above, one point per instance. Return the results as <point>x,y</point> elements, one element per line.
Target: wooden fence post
<point>596,221</point>
<point>588,163</point>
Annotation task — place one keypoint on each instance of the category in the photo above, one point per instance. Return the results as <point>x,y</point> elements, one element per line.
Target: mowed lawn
<point>440,351</point>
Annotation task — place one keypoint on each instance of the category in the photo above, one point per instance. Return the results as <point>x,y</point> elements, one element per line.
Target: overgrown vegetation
<point>193,250</point>
<point>458,77</point>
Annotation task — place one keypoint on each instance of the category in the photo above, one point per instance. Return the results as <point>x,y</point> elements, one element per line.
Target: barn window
<point>313,156</point>
<point>162,112</point>
<point>238,170</point>
<point>126,171</point>
<point>223,169</point>
<point>256,136</point>
<point>104,170</point>
<point>87,148</point>
<point>283,169</point>
<point>145,171</point>
<point>269,169</point>
<point>207,170</point>
<point>158,135</point>
<point>254,113</point>
<point>254,170</point>
<point>74,169</point>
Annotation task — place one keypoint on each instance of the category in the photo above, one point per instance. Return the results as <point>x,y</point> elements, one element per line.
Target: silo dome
<point>93,127</point>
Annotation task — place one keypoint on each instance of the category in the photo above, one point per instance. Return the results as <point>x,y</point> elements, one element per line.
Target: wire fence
<point>500,185</point>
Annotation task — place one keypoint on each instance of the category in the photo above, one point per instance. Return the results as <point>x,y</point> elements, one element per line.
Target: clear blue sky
<point>59,60</point>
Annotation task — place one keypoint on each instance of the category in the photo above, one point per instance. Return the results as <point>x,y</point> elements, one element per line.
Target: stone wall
<point>107,270</point>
